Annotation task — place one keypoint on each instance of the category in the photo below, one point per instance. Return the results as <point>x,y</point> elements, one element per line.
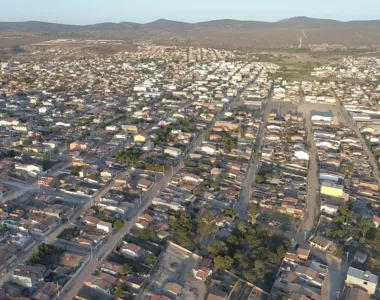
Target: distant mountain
<point>309,22</point>
<point>220,33</point>
<point>35,26</point>
<point>167,24</point>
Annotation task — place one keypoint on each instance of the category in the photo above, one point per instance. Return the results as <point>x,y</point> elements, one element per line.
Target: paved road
<point>245,194</point>
<point>334,282</point>
<point>312,199</point>
<point>354,126</point>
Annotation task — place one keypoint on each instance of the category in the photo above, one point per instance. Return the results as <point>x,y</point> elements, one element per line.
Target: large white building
<point>363,279</point>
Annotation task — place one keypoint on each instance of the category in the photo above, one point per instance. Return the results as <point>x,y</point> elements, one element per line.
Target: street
<point>245,194</point>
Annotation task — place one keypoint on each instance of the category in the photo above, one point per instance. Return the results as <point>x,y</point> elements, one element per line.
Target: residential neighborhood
<point>175,172</point>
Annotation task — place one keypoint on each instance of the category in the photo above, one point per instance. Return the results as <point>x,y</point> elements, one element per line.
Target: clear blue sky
<point>96,11</point>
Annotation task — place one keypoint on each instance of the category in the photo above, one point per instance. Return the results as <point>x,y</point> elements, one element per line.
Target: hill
<point>220,33</point>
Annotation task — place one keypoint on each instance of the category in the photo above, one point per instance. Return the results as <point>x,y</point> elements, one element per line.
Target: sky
<point>141,11</point>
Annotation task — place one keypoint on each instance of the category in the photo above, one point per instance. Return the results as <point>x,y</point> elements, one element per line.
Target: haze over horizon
<point>86,12</point>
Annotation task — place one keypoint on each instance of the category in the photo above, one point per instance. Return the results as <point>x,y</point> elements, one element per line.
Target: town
<point>168,172</point>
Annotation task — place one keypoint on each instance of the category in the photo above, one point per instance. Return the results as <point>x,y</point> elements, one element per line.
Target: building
<point>321,243</point>
<point>173,289</point>
<point>360,257</point>
<point>362,279</point>
<point>216,294</point>
<point>172,151</point>
<point>331,189</point>
<point>319,116</point>
<point>131,250</point>
<point>139,138</point>
<point>330,209</point>
<point>356,294</point>
<point>46,181</point>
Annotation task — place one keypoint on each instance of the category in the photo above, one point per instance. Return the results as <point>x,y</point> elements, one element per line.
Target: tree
<point>260,269</point>
<point>225,262</point>
<point>230,213</point>
<point>126,269</point>
<point>252,212</point>
<point>217,247</point>
<point>260,179</point>
<point>118,292</point>
<point>365,225</point>
<point>146,234</point>
<point>118,224</point>
<point>45,157</point>
<point>183,228</point>
<point>152,259</point>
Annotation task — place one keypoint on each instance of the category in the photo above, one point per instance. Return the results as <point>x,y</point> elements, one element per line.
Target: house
<point>209,149</point>
<point>139,138</point>
<point>148,146</point>
<point>99,284</point>
<point>131,250</point>
<point>144,184</point>
<point>362,279</point>
<point>24,279</point>
<point>215,293</point>
<point>204,270</point>
<point>376,221</point>
<point>111,268</point>
<point>360,257</point>
<point>46,181</point>
<point>189,177</point>
<point>78,146</point>
<point>321,243</point>
<point>105,226</point>
<point>303,251</point>
<point>172,151</point>
<point>129,128</point>
<point>330,209</point>
<point>29,275</point>
<point>356,294</point>
<point>159,297</point>
<point>309,275</point>
<point>72,260</point>
<point>106,175</point>
<point>301,155</point>
<point>331,189</point>
<point>173,289</point>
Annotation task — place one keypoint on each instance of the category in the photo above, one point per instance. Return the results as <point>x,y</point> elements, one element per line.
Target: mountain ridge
<point>39,26</point>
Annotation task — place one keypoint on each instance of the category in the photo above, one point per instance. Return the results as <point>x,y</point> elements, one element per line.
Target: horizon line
<point>185,22</point>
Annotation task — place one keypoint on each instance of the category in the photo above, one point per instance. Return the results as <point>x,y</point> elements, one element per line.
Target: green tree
<point>183,228</point>
<point>252,212</point>
<point>152,259</point>
<point>365,225</point>
<point>126,269</point>
<point>217,247</point>
<point>225,262</point>
<point>230,213</point>
<point>260,179</point>
<point>146,234</point>
<point>118,292</point>
<point>118,224</point>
